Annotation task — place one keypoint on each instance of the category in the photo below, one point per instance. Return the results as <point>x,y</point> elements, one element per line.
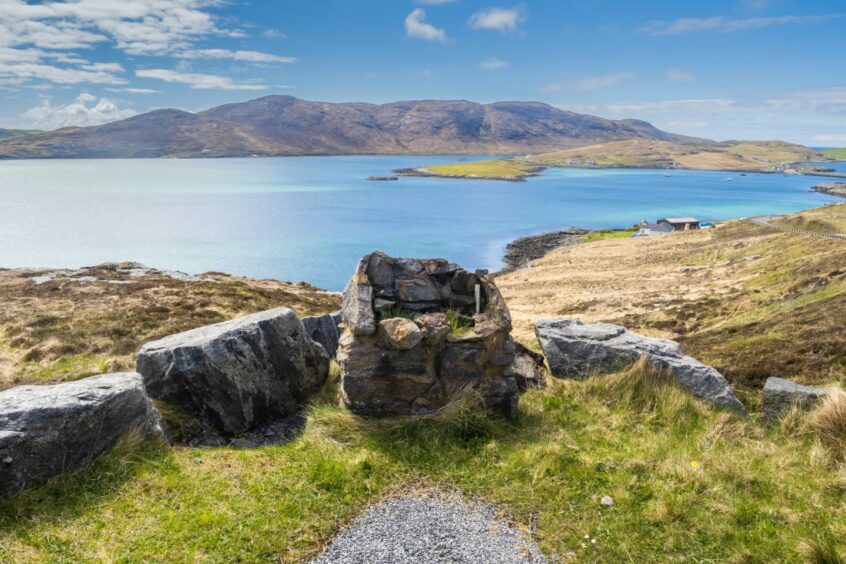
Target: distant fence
<point>766,219</point>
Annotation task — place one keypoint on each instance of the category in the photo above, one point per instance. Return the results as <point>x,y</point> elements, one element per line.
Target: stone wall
<point>412,341</point>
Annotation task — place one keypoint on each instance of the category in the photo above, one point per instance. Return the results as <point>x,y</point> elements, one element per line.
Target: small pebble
<point>607,500</point>
<point>270,433</point>
<point>8,460</point>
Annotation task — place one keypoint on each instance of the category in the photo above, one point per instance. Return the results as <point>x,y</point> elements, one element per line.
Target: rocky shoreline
<point>520,252</point>
<point>831,188</point>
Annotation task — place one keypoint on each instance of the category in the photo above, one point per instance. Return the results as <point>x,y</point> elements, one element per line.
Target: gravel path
<point>418,528</point>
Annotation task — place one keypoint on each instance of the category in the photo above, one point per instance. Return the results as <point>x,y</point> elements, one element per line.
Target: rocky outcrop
<point>577,350</point>
<point>236,374</point>
<point>48,430</point>
<point>528,369</point>
<point>324,329</point>
<point>780,395</point>
<point>411,341</point>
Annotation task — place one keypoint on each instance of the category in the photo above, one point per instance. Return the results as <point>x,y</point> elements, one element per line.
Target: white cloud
<point>81,112</point>
<point>416,27</point>
<point>830,138</point>
<point>198,80</point>
<point>553,87</point>
<point>493,64</point>
<point>721,24</point>
<point>271,33</point>
<point>596,82</point>
<point>248,56</point>
<point>134,90</point>
<point>676,75</point>
<point>506,20</point>
<point>30,71</point>
<point>435,2</point>
<point>104,67</point>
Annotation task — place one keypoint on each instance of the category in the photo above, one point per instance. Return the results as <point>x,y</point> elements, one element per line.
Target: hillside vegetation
<point>284,125</point>
<point>839,154</point>
<point>93,321</point>
<point>752,301</point>
<point>688,483</point>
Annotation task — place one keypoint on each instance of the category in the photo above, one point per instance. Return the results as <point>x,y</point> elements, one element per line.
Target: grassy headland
<point>752,156</point>
<point>839,154</point>
<point>95,320</point>
<point>688,482</point>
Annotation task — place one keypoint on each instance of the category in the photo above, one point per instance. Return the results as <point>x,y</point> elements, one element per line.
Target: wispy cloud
<point>549,88</point>
<point>676,75</point>
<point>82,111</point>
<point>247,56</point>
<point>493,64</point>
<point>597,82</point>
<point>198,80</point>
<point>506,20</point>
<point>435,2</point>
<point>721,24</point>
<point>417,28</point>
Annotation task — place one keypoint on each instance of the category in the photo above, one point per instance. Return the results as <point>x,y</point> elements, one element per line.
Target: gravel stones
<point>425,528</point>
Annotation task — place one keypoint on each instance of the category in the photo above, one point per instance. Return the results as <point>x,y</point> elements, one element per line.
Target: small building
<point>645,229</point>
<point>680,223</point>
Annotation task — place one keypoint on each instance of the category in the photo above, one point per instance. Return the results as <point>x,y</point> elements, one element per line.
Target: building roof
<point>679,220</point>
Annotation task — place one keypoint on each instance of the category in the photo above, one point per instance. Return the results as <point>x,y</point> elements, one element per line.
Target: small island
<point>382,178</point>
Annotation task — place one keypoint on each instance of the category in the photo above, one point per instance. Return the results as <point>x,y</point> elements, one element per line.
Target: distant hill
<point>6,134</point>
<point>284,125</point>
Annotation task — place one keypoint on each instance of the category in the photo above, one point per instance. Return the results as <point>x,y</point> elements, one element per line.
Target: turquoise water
<point>310,218</point>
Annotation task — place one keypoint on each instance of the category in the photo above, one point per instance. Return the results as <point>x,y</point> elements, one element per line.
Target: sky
<point>721,69</point>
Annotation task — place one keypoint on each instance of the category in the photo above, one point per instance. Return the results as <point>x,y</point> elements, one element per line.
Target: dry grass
<point>751,301</point>
<point>67,328</point>
<point>828,422</point>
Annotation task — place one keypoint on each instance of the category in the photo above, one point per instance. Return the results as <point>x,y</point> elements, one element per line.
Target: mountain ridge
<point>285,125</point>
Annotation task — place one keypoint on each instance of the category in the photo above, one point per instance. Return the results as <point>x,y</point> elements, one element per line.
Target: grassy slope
<point>836,153</point>
<point>688,483</point>
<point>66,329</point>
<point>641,153</point>
<point>752,301</point>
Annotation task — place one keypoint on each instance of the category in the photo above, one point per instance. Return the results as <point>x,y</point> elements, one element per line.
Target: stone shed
<point>418,333</point>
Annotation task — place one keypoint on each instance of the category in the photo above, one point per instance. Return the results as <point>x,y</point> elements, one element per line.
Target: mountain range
<point>284,125</point>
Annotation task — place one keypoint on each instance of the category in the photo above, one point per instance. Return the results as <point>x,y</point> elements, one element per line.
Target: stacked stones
<point>401,349</point>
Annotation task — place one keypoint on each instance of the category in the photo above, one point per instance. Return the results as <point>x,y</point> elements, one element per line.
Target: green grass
<point>602,234</point>
<point>459,324</point>
<point>499,169</point>
<point>836,153</point>
<point>689,484</point>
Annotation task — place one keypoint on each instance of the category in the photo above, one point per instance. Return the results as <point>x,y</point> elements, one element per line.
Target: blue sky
<point>718,69</point>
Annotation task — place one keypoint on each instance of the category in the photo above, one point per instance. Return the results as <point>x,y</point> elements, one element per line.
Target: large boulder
<point>577,350</point>
<point>412,341</point>
<point>48,430</point>
<point>237,374</point>
<point>780,395</point>
<point>324,329</point>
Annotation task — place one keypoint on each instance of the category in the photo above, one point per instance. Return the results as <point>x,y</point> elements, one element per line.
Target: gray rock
<point>577,350</point>
<point>780,395</point>
<point>357,308</point>
<point>527,369</point>
<point>606,501</point>
<point>399,333</point>
<point>48,430</point>
<point>237,374</point>
<point>324,329</point>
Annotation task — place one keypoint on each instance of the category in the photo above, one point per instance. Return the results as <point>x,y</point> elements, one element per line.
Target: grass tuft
<point>828,421</point>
